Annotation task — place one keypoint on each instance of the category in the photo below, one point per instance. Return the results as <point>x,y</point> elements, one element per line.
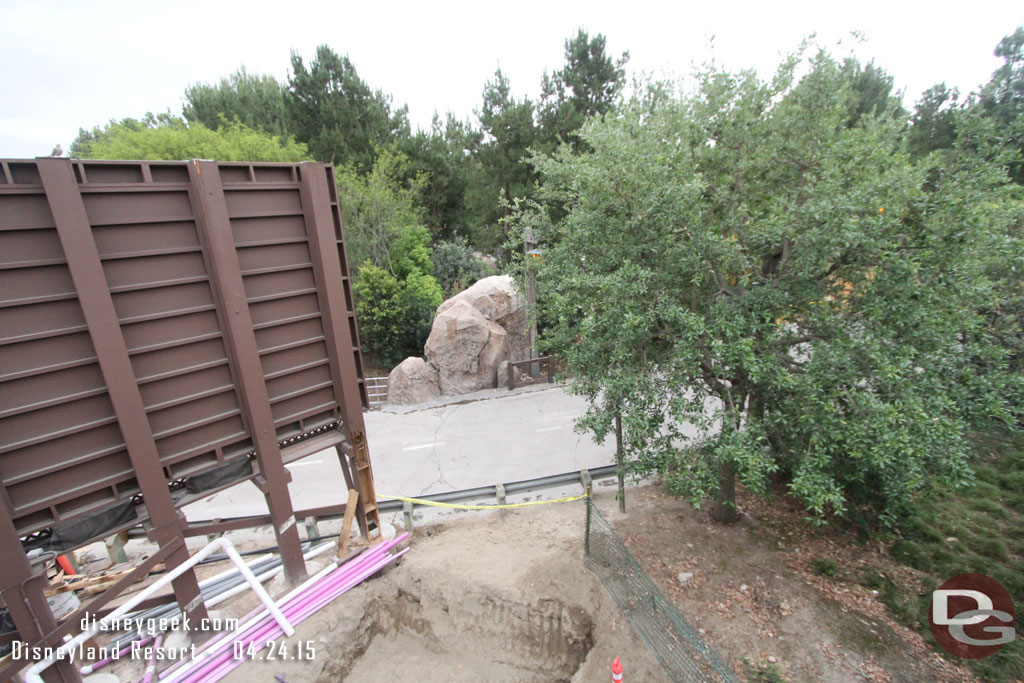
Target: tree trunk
<point>724,510</point>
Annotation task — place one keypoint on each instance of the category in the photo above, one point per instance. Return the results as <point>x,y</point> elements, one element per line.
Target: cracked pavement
<point>456,446</point>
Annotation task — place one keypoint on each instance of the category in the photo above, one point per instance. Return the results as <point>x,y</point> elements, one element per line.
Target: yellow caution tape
<point>434,503</point>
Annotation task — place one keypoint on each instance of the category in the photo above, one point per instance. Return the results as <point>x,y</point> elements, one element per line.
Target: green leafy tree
<point>336,113</point>
<point>255,100</point>
<point>588,85</point>
<point>169,137</point>
<point>395,292</point>
<point>383,220</point>
<point>761,289</point>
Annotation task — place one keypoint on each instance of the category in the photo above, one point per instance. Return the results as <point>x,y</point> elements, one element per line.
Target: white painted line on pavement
<point>547,429</point>
<point>304,463</point>
<point>426,445</point>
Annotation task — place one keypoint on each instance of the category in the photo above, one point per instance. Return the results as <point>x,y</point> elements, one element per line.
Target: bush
<point>455,266</point>
<point>394,315</point>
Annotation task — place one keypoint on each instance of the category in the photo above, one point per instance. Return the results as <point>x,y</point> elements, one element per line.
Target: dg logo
<point>972,616</point>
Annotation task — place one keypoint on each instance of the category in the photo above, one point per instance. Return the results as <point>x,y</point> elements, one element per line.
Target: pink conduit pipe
<point>96,666</point>
<point>302,606</point>
<point>184,668</point>
<point>151,667</point>
<point>254,621</point>
<point>271,631</point>
<point>265,633</point>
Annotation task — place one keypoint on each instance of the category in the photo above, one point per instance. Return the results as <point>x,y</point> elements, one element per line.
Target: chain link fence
<point>676,644</point>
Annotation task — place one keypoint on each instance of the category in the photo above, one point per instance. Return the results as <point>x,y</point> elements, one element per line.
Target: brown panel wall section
<point>62,452</point>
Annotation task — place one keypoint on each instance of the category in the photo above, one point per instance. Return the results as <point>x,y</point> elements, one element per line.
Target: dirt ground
<point>505,597</point>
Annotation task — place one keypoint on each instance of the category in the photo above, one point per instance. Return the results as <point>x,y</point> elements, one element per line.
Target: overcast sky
<point>66,65</point>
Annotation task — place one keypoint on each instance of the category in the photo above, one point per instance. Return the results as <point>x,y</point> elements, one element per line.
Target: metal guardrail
<point>376,391</point>
<point>481,492</point>
<point>666,632</point>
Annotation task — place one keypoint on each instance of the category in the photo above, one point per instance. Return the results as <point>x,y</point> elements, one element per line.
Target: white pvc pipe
<point>222,543</point>
<point>269,574</point>
<point>254,617</point>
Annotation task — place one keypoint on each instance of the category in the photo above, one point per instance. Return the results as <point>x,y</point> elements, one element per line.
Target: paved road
<point>484,442</point>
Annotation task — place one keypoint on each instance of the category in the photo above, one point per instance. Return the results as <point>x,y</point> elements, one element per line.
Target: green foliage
<point>383,222</point>
<point>501,173</point>
<point>1002,99</point>
<point>933,125</point>
<point>169,137</point>
<point>394,315</point>
<point>336,113</point>
<point>870,92</point>
<point>455,266</point>
<point>394,289</point>
<point>824,566</point>
<point>441,158</point>
<point>761,287</point>
<point>974,530</point>
<point>587,85</point>
<point>255,100</point>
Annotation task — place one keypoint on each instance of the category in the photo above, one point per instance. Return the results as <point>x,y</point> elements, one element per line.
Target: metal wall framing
<point>162,319</point>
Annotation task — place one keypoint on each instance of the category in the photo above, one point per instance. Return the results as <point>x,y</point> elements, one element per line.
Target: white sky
<point>65,65</point>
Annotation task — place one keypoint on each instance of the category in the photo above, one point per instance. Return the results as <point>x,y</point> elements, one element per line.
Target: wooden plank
<point>346,524</point>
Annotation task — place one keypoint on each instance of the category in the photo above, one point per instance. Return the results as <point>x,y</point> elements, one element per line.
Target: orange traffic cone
<point>616,671</point>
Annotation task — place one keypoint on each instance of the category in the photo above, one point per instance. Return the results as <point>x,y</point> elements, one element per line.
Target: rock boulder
<point>499,301</point>
<point>413,381</point>
<point>466,348</point>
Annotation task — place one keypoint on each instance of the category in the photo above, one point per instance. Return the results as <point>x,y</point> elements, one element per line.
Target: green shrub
<point>824,566</point>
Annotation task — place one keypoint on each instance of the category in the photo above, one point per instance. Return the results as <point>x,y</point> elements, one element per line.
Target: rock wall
<point>473,334</point>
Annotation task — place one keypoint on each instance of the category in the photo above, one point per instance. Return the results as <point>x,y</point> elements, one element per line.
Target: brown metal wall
<point>62,449</point>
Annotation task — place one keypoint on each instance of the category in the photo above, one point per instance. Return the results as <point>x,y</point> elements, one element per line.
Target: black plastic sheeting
<point>76,532</point>
<point>219,476</point>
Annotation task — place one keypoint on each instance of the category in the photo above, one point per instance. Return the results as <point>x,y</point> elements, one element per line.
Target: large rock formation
<point>474,333</point>
<point>466,348</point>
<point>413,381</point>
<point>497,298</point>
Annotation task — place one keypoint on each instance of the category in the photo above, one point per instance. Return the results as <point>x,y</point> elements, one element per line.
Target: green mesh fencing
<point>676,644</point>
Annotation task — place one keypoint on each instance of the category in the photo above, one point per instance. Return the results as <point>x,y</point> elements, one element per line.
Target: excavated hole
<point>474,636</point>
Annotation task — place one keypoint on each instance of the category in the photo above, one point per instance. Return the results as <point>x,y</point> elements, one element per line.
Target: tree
<point>440,158</point>
<point>335,112</point>
<point>502,172</point>
<point>933,123</point>
<point>587,85</point>
<point>761,289</point>
<point>455,266</point>
<point>1002,98</point>
<point>394,289</point>
<point>257,101</point>
<point>169,137</point>
<point>870,92</point>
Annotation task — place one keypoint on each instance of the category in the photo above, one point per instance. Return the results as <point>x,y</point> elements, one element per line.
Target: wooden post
<point>407,513</point>
<point>346,524</point>
<point>619,462</point>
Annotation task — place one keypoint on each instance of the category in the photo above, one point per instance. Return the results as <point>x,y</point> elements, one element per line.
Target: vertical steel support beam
<point>23,595</point>
<point>341,347</point>
<point>90,281</point>
<point>214,227</point>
